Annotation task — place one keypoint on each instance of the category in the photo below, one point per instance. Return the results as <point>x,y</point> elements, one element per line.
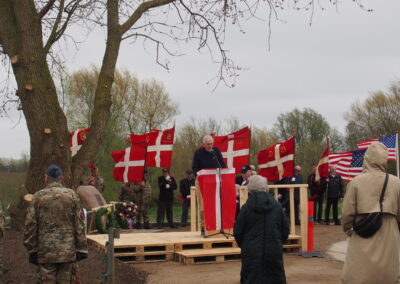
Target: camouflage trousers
<point>143,213</point>
<point>58,273</point>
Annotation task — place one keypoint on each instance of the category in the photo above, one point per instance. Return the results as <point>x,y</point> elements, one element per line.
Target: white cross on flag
<point>160,144</point>
<point>76,139</point>
<point>129,163</point>
<point>235,148</point>
<point>277,161</point>
<point>217,187</point>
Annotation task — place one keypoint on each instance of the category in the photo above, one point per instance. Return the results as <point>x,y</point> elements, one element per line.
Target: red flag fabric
<point>129,163</point>
<point>159,146</point>
<point>277,161</point>
<point>235,148</point>
<point>322,170</point>
<point>219,197</point>
<point>76,139</point>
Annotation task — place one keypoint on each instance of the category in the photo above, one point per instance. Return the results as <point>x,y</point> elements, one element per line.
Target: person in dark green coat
<point>260,230</point>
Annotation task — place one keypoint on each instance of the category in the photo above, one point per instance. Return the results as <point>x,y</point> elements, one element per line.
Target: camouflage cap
<point>54,171</point>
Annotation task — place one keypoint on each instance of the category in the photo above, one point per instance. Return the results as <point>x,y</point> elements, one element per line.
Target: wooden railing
<point>303,208</point>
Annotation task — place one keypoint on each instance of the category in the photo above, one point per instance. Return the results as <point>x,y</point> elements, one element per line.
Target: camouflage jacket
<point>126,193</point>
<point>136,192</point>
<point>55,226</point>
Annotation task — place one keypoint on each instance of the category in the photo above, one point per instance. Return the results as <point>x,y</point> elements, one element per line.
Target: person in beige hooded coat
<point>375,259</point>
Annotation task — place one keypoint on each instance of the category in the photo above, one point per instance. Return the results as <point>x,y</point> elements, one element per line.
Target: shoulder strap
<point>383,191</point>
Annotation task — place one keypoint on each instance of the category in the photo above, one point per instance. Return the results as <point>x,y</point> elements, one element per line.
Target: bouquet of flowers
<point>126,212</point>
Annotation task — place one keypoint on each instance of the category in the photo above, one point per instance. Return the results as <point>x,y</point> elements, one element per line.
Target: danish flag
<point>217,187</point>
<point>160,144</point>
<point>76,139</point>
<point>277,161</point>
<point>129,163</point>
<point>235,148</point>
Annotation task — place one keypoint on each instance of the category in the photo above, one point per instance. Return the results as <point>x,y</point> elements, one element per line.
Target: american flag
<point>348,164</point>
<point>389,141</point>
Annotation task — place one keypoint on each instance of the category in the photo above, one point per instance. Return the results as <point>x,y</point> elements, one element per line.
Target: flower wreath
<point>125,212</point>
<point>99,223</point>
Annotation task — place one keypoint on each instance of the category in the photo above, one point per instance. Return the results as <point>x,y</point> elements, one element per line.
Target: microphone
<point>215,158</point>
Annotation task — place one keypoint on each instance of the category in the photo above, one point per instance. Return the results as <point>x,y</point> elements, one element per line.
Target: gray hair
<point>208,138</point>
<point>257,183</point>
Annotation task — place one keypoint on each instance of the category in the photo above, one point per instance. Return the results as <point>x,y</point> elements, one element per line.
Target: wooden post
<point>304,216</point>
<point>276,194</point>
<point>292,217</point>
<point>244,195</point>
<point>193,211</point>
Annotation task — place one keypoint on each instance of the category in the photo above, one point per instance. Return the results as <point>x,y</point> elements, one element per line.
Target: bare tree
<point>377,116</point>
<point>30,34</point>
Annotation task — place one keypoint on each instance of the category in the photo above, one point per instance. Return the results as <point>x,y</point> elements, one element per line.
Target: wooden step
<point>147,257</point>
<point>208,255</point>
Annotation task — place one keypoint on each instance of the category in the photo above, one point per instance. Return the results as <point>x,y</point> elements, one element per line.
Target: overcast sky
<point>341,57</point>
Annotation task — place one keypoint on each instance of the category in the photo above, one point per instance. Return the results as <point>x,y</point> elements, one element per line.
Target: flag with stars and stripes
<point>348,164</point>
<point>389,141</point>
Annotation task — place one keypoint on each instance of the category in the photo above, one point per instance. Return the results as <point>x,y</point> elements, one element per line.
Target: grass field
<point>9,194</point>
<point>9,184</point>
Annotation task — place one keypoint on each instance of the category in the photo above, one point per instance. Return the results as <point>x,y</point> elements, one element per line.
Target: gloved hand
<point>167,186</point>
<point>167,178</point>
<point>33,258</point>
<point>81,255</point>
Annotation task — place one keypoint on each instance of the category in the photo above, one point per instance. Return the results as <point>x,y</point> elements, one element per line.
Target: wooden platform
<point>208,255</point>
<point>186,247</point>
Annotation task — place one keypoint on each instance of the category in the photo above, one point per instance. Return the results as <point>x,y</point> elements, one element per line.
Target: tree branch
<point>53,33</point>
<point>46,9</point>
<point>144,7</point>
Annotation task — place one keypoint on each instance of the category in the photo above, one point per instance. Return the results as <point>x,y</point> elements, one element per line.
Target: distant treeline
<point>14,165</point>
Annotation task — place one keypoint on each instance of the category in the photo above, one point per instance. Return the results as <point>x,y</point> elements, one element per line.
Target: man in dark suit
<point>184,187</point>
<point>206,157</point>
<point>167,185</point>
<point>334,192</point>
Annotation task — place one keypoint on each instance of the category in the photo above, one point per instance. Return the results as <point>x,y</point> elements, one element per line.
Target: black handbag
<point>370,224</point>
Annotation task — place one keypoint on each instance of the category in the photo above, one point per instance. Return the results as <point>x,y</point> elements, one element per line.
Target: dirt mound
<point>17,269</point>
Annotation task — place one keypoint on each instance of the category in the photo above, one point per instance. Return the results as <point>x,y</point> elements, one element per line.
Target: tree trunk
<point>46,122</point>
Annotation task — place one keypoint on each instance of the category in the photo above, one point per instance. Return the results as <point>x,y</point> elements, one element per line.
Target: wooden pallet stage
<point>208,255</point>
<point>186,247</point>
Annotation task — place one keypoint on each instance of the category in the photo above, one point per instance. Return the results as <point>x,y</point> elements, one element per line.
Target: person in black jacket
<point>260,230</point>
<point>184,187</point>
<point>316,194</point>
<point>334,192</point>
<point>297,179</point>
<point>206,157</point>
<point>167,185</point>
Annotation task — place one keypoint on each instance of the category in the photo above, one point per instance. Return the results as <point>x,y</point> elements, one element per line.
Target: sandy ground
<point>298,269</point>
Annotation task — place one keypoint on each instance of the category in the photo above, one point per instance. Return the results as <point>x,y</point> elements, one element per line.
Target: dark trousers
<point>185,209</point>
<point>318,208</point>
<point>164,207</point>
<point>334,203</point>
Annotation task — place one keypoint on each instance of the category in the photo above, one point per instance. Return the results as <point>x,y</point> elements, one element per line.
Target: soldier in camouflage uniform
<point>96,180</point>
<point>126,193</point>
<point>55,231</point>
